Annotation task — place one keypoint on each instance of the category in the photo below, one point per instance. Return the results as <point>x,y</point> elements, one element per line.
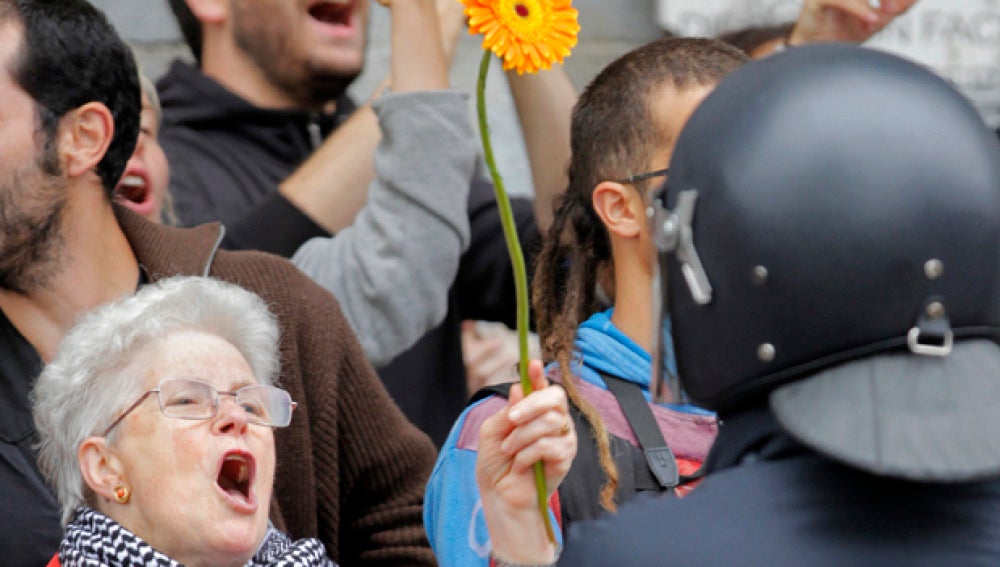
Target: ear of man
<point>84,137</point>
<point>620,208</point>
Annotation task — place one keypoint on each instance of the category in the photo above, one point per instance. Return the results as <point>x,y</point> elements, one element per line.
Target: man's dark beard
<point>321,88</point>
<point>31,242</point>
<point>267,44</point>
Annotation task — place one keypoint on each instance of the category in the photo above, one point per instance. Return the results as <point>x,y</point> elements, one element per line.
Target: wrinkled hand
<point>530,429</point>
<point>844,20</point>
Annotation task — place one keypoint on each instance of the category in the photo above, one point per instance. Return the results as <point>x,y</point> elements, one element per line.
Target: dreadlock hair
<point>614,134</point>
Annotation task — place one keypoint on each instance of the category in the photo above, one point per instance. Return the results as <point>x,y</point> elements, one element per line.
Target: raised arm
<point>392,268</point>
<point>215,178</point>
<point>844,20</point>
<point>821,20</point>
<point>331,187</point>
<point>544,103</point>
<point>417,65</point>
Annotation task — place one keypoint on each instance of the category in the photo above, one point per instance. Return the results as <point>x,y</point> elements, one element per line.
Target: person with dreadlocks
<point>623,131</point>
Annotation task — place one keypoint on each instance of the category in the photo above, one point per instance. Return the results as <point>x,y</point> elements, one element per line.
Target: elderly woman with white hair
<point>155,422</point>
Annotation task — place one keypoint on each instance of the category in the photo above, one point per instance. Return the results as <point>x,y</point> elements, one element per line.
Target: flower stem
<point>517,261</point>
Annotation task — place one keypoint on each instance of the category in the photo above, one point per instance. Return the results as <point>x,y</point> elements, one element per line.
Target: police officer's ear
<point>84,136</point>
<point>620,207</point>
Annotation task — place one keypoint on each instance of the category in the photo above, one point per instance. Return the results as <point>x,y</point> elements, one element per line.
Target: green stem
<point>520,272</point>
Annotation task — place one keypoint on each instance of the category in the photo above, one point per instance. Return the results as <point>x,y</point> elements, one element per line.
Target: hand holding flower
<point>527,35</point>
<point>531,429</point>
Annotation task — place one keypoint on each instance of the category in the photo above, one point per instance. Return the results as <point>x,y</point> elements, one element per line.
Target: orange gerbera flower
<point>527,35</point>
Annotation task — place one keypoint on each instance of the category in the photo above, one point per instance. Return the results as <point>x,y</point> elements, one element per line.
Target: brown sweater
<point>351,469</point>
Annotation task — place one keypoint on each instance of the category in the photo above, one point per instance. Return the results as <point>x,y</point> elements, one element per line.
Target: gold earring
<point>122,493</point>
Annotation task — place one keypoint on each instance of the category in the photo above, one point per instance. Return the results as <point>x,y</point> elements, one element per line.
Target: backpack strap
<point>577,493</point>
<point>659,457</point>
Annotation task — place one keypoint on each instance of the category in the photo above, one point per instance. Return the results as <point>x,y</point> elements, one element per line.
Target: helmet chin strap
<point>674,234</point>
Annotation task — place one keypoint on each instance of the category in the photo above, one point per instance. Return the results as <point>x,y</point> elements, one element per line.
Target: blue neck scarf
<point>602,347</point>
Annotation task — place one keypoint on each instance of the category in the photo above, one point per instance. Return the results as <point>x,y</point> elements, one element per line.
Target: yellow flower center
<point>525,18</point>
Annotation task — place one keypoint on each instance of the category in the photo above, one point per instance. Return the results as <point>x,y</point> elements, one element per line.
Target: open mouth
<point>332,12</point>
<point>133,188</point>
<point>236,474</point>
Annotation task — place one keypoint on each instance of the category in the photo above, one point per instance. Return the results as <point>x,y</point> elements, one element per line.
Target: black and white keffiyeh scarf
<point>93,539</point>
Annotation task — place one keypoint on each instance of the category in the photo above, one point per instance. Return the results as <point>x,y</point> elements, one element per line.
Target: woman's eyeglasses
<point>184,398</point>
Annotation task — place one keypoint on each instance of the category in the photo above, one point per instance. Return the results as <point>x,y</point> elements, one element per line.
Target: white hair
<point>92,377</point>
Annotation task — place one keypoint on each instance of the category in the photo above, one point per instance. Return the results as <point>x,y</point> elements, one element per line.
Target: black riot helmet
<point>832,222</point>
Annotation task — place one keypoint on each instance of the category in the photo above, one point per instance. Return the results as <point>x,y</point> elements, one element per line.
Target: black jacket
<point>227,158</point>
<point>769,501</point>
<point>29,513</point>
